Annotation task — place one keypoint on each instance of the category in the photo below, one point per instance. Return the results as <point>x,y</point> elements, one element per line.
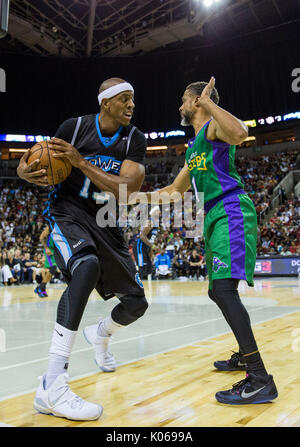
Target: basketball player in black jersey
<point>106,151</point>
<point>142,247</point>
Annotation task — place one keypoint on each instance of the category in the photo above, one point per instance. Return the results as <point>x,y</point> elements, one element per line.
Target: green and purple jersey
<point>49,260</point>
<point>230,225</point>
<point>211,167</point>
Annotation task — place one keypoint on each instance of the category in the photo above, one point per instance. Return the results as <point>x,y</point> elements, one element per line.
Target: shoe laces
<point>108,357</point>
<point>238,386</point>
<point>72,399</point>
<point>235,356</point>
<point>69,397</point>
<point>75,402</point>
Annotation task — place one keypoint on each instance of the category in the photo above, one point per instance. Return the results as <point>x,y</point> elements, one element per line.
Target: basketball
<point>58,169</point>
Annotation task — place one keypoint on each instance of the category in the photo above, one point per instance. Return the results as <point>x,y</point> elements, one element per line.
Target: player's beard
<point>186,118</point>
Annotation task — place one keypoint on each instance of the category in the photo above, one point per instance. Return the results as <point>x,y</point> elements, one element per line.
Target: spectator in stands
<point>293,247</point>
<point>196,265</point>
<point>286,251</point>
<point>163,264</point>
<point>38,269</point>
<point>180,265</point>
<point>28,265</point>
<point>7,269</point>
<point>18,266</point>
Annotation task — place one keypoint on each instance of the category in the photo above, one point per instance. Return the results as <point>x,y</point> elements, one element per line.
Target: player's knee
<point>135,305</point>
<point>211,295</point>
<point>90,262</point>
<point>224,286</point>
<point>226,294</point>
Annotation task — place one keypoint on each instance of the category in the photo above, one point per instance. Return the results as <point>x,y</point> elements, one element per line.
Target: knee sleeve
<point>137,305</point>
<point>85,273</point>
<point>227,297</point>
<point>130,308</point>
<point>62,315</point>
<point>224,289</point>
<point>76,260</point>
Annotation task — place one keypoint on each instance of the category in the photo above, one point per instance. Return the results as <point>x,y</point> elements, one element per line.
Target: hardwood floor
<point>177,388</point>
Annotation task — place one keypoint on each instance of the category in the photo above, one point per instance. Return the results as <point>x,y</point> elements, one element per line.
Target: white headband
<point>115,90</point>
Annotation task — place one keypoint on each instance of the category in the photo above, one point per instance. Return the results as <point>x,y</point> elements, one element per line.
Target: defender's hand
<point>29,173</point>
<point>66,150</point>
<point>207,91</point>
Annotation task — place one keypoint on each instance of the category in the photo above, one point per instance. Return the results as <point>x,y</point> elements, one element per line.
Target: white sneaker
<point>104,359</point>
<point>60,401</point>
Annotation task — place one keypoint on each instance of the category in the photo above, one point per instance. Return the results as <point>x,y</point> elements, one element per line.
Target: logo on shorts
<point>78,243</point>
<point>217,264</point>
<point>138,280</point>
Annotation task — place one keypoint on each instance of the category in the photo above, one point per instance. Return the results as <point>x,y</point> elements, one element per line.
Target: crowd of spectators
<point>21,221</point>
<point>281,234</point>
<point>262,175</point>
<point>20,268</point>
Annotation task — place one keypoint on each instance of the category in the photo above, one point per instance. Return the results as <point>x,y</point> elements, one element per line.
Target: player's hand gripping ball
<point>58,169</point>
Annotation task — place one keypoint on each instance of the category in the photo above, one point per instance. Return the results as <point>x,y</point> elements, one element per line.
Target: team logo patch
<point>138,280</point>
<point>217,264</point>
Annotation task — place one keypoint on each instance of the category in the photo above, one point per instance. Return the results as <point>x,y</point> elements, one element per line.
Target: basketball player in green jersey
<point>230,228</point>
<point>50,263</point>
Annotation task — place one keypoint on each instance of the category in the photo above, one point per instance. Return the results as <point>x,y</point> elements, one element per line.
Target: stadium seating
<point>22,204</point>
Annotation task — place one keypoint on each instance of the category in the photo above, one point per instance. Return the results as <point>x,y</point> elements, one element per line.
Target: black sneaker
<point>252,390</point>
<point>235,363</point>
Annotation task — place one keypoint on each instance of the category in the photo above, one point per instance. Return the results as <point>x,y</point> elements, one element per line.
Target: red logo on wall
<point>266,266</point>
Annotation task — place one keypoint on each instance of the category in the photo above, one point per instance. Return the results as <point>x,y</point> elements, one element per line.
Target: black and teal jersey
<point>107,153</point>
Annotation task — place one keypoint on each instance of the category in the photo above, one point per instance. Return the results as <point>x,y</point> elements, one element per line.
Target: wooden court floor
<point>176,388</point>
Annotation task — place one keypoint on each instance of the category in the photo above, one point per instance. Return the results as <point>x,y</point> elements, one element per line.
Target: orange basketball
<point>58,169</point>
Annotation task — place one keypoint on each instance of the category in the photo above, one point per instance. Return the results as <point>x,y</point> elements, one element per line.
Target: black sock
<point>255,365</point>
<point>42,286</point>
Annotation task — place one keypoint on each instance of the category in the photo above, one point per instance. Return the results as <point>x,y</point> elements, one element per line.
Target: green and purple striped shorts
<point>230,233</point>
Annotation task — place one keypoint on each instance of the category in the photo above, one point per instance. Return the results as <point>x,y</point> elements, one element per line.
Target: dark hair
<point>197,88</point>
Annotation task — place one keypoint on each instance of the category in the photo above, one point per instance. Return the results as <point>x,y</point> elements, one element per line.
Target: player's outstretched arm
<point>225,126</point>
<point>171,192</point>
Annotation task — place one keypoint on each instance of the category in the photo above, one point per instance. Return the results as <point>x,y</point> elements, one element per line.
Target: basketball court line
<point>191,343</point>
<point>52,322</point>
<point>38,321</point>
<point>123,340</point>
<point>127,339</point>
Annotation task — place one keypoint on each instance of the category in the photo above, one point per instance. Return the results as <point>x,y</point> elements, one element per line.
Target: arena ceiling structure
<point>112,28</point>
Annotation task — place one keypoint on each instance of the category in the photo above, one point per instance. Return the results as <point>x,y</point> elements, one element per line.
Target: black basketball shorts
<point>118,274</point>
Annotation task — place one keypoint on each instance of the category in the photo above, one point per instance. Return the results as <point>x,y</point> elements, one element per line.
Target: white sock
<point>57,365</point>
<point>107,327</point>
<point>59,353</point>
